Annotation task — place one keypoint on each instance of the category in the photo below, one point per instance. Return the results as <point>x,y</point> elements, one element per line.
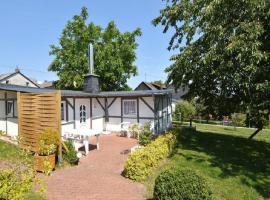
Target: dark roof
<point>19,88</point>
<point>72,93</point>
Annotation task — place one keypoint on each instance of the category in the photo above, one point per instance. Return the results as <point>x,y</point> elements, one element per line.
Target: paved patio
<point>98,175</point>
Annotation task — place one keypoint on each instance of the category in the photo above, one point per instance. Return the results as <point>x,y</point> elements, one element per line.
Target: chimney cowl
<point>91,83</point>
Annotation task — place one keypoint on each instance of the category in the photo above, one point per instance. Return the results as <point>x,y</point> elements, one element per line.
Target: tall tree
<point>223,57</point>
<point>114,54</point>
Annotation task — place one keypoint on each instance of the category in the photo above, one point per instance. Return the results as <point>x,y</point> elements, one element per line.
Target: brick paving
<point>98,175</point>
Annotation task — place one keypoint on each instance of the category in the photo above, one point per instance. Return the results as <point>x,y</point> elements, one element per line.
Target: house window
<point>82,114</point>
<point>27,83</point>
<point>7,81</point>
<point>129,107</point>
<point>62,111</point>
<point>9,107</point>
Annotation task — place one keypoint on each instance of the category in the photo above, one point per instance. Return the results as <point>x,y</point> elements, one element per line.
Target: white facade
<point>95,116</point>
<point>89,113</point>
<point>8,113</point>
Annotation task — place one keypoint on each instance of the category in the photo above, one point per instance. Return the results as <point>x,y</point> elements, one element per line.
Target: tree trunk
<point>255,133</point>
<point>190,123</point>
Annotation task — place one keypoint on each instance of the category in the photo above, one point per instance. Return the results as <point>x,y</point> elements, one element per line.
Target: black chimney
<point>91,81</point>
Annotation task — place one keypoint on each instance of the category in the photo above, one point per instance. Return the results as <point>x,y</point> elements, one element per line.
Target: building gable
<point>18,78</point>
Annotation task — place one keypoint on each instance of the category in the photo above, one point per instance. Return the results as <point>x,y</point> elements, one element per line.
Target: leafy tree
<point>223,54</point>
<point>184,110</point>
<point>199,107</point>
<point>239,119</point>
<point>114,54</point>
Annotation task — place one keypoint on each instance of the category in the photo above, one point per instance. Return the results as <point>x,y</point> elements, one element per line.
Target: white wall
<point>144,110</point>
<point>98,115</point>
<point>8,123</point>
<point>145,113</point>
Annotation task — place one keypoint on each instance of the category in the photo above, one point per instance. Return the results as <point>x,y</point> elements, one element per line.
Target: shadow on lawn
<point>235,156</point>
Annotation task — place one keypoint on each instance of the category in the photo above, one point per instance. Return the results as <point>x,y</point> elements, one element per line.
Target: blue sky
<point>28,27</point>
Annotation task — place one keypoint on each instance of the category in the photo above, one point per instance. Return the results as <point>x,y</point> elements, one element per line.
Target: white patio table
<point>80,137</point>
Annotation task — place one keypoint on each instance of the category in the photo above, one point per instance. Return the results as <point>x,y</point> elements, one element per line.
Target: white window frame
<point>82,112</point>
<point>126,103</point>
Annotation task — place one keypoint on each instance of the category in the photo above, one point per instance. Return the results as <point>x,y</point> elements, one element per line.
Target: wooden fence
<point>36,112</point>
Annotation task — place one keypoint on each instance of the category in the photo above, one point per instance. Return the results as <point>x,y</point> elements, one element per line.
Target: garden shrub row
<point>141,162</point>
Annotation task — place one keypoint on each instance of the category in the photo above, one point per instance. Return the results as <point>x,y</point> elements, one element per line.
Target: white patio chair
<point>125,129</point>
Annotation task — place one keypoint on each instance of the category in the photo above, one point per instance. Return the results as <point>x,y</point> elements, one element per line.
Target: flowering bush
<point>48,142</point>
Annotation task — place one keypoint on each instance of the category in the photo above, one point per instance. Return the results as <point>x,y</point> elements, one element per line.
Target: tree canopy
<point>223,57</point>
<point>114,54</point>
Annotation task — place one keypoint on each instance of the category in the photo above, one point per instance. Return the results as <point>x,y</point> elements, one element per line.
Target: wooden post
<point>19,115</point>
<point>6,112</point>
<point>58,113</point>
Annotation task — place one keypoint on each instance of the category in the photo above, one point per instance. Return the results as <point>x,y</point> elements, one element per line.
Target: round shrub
<point>181,184</point>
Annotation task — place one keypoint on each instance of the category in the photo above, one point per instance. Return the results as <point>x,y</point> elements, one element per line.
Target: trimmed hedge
<point>181,184</point>
<point>141,162</point>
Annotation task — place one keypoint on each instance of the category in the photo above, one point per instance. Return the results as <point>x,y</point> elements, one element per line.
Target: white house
<point>90,108</point>
<point>17,78</point>
<point>103,111</point>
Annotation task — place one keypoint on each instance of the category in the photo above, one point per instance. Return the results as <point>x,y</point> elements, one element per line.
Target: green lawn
<point>236,168</point>
<point>264,135</point>
<point>8,152</point>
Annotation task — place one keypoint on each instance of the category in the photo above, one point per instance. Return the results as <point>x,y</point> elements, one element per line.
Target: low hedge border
<point>141,162</point>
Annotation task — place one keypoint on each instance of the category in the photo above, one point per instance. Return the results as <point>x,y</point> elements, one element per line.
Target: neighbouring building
<point>177,95</point>
<point>17,78</point>
<point>48,84</point>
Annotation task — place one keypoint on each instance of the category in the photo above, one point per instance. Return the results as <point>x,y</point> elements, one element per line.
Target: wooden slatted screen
<point>36,112</point>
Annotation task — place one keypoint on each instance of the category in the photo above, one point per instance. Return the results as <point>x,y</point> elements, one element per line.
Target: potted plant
<point>44,158</point>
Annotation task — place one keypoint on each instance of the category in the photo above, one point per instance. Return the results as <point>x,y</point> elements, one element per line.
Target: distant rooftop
<point>149,86</point>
